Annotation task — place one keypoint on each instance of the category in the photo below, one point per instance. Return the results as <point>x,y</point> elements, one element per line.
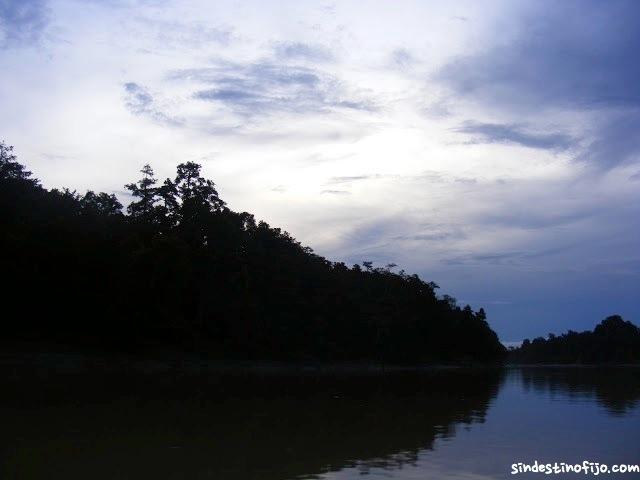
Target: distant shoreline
<point>569,365</point>
<point>191,363</point>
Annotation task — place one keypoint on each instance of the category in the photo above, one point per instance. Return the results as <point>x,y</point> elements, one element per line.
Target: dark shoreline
<point>63,360</point>
<point>79,362</point>
<point>571,365</point>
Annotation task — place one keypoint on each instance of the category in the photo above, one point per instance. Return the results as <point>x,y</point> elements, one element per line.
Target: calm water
<point>446,424</point>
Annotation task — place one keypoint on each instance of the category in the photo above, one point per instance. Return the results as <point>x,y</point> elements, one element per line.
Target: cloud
<point>512,258</point>
<point>263,88</point>
<point>302,51</point>
<point>505,258</point>
<point>349,179</point>
<point>577,57</point>
<point>139,101</point>
<point>615,141</point>
<point>191,35</point>
<point>335,192</point>
<point>228,95</point>
<point>433,237</point>
<point>402,58</point>
<point>370,238</point>
<point>529,219</point>
<point>514,134</point>
<point>22,22</point>
<point>577,54</point>
<point>496,257</point>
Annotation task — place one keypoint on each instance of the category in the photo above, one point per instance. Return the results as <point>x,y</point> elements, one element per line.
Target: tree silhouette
<point>9,168</point>
<point>181,270</point>
<point>613,340</point>
<point>147,193</point>
<point>100,204</point>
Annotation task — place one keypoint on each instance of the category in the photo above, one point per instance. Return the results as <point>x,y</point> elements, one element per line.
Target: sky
<point>490,146</point>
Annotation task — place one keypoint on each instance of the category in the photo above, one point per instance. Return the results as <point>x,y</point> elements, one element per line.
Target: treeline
<point>613,340</point>
<point>182,270</point>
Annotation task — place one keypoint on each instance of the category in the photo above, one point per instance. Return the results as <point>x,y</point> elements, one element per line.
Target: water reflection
<point>617,389</point>
<point>232,426</point>
<point>454,423</point>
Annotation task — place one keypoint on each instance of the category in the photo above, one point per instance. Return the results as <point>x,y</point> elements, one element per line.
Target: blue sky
<point>492,147</point>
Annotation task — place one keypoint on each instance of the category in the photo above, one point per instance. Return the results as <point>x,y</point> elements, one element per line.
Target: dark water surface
<point>88,423</point>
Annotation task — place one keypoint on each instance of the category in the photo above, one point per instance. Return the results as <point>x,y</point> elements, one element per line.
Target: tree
<point>450,301</point>
<point>9,168</point>
<point>100,204</point>
<point>613,340</point>
<point>147,193</point>
<point>195,193</point>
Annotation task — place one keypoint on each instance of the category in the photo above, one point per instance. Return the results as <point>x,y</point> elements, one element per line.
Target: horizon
<point>491,148</point>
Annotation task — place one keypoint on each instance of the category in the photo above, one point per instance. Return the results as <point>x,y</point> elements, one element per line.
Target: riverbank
<point>66,360</point>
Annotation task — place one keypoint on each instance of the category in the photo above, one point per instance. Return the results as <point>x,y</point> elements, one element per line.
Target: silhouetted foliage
<point>614,340</point>
<point>183,270</point>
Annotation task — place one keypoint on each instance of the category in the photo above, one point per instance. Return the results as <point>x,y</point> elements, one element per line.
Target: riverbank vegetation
<point>613,340</point>
<point>177,268</point>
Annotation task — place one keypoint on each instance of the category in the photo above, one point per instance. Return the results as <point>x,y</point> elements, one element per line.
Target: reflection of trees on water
<point>617,389</point>
<point>244,427</point>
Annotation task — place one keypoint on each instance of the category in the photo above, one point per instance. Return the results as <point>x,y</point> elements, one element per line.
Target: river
<point>456,423</point>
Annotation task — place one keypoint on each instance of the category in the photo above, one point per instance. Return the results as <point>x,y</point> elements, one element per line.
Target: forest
<point>177,269</point>
<point>613,340</point>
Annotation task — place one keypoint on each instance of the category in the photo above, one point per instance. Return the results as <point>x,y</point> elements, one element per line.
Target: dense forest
<point>181,270</point>
<point>613,340</point>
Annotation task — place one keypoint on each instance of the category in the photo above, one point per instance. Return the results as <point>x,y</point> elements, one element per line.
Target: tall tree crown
<point>145,190</point>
